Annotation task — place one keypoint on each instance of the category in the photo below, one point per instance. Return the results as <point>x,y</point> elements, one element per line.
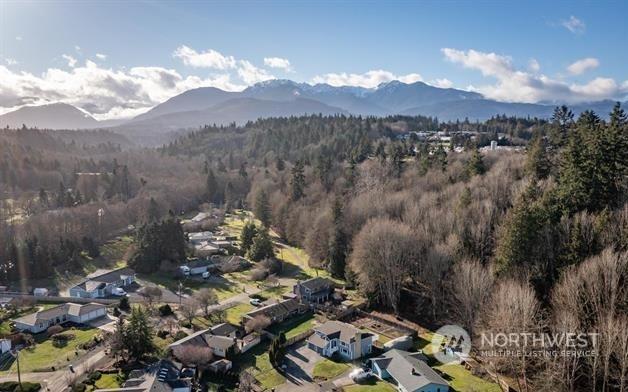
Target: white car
<point>255,302</point>
<point>118,292</point>
<point>360,374</point>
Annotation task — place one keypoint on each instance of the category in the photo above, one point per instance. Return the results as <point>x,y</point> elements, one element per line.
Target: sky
<point>116,59</point>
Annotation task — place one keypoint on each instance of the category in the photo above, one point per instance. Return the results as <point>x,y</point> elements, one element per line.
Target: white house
<point>345,339</point>
<point>68,312</point>
<point>196,267</point>
<point>103,285</point>
<point>409,371</point>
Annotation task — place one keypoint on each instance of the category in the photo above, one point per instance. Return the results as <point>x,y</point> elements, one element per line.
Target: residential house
<point>221,366</point>
<point>276,312</point>
<point>248,342</point>
<point>164,376</point>
<point>316,290</point>
<point>103,285</point>
<point>223,339</point>
<point>342,338</point>
<point>196,267</point>
<point>68,312</point>
<point>409,371</point>
<point>200,237</point>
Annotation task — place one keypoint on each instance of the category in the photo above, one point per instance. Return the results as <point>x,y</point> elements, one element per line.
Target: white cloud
<point>514,85</point>
<point>77,48</point>
<point>442,83</point>
<point>101,56</point>
<point>18,38</point>
<point>278,62</point>
<point>103,92</point>
<point>11,61</point>
<point>368,79</point>
<point>534,65</point>
<point>250,74</point>
<point>207,59</point>
<point>71,60</point>
<point>583,65</point>
<point>574,25</point>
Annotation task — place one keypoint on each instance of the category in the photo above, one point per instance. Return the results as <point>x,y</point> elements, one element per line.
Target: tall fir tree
<point>298,181</point>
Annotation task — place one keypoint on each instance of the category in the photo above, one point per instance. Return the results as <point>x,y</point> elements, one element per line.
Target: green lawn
<point>44,355</point>
<point>256,361</point>
<point>107,381</point>
<point>294,326</point>
<point>462,380</point>
<point>275,292</point>
<point>114,252</point>
<point>327,370</point>
<point>372,385</point>
<point>381,339</point>
<point>234,314</point>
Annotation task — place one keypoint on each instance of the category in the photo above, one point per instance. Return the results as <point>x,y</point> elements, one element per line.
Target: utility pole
<point>19,375</point>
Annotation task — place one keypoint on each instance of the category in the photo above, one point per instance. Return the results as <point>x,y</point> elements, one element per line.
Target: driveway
<point>300,361</point>
<point>107,323</point>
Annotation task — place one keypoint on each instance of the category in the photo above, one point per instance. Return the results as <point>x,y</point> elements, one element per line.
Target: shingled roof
<point>409,369</point>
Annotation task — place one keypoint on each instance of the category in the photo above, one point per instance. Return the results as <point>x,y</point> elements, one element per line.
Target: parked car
<point>255,302</point>
<point>358,374</point>
<point>118,291</point>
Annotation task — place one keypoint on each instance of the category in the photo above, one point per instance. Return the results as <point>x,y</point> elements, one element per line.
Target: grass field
<point>256,361</point>
<point>234,315</point>
<point>106,381</point>
<point>372,385</point>
<point>294,326</point>
<point>460,379</point>
<point>327,370</point>
<point>44,355</point>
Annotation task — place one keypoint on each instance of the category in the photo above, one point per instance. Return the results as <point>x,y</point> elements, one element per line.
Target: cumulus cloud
<point>581,66</point>
<point>207,59</point>
<point>71,60</point>
<point>514,85</point>
<point>368,79</point>
<point>104,92</point>
<point>574,25</point>
<point>278,62</point>
<point>442,83</point>
<point>250,74</point>
<point>101,56</point>
<point>10,61</point>
<point>534,65</point>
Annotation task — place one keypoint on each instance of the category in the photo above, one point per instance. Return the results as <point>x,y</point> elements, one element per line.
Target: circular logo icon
<point>451,344</point>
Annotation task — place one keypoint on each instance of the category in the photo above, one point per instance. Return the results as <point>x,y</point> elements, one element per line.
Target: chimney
<point>358,345</point>
<point>414,372</point>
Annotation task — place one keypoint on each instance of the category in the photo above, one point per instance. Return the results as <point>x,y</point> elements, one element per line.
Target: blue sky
<point>511,51</point>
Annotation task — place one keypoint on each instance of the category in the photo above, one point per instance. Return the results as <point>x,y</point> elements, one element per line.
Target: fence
<point>298,338</point>
<point>52,298</point>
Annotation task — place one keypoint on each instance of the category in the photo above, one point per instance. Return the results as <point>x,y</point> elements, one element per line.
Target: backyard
<point>257,362</point>
<point>44,355</point>
<point>327,370</point>
<point>294,326</point>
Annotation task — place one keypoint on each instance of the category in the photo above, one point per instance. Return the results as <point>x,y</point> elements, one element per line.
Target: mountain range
<point>210,105</point>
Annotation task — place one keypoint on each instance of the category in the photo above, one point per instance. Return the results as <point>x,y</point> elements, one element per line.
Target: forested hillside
<point>432,228</point>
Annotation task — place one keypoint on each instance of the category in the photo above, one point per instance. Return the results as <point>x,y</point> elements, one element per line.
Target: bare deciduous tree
<point>257,324</point>
<point>470,289</point>
<point>206,297</point>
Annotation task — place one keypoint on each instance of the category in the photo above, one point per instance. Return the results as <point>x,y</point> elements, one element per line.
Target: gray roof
<point>69,308</point>
<point>223,329</point>
<point>316,285</point>
<point>338,330</point>
<point>409,369</point>
<point>281,308</point>
<point>100,281</point>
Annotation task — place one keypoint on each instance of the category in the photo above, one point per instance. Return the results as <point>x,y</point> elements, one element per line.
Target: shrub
<point>165,310</point>
<point>162,334</point>
<point>124,304</point>
<point>179,335</point>
<point>61,340</point>
<point>185,324</point>
<point>12,386</point>
<point>80,387</point>
<point>93,377</point>
<point>55,329</point>
<point>116,311</point>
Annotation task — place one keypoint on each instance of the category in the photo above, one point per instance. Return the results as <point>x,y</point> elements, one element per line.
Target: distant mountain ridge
<point>51,116</point>
<point>281,97</point>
